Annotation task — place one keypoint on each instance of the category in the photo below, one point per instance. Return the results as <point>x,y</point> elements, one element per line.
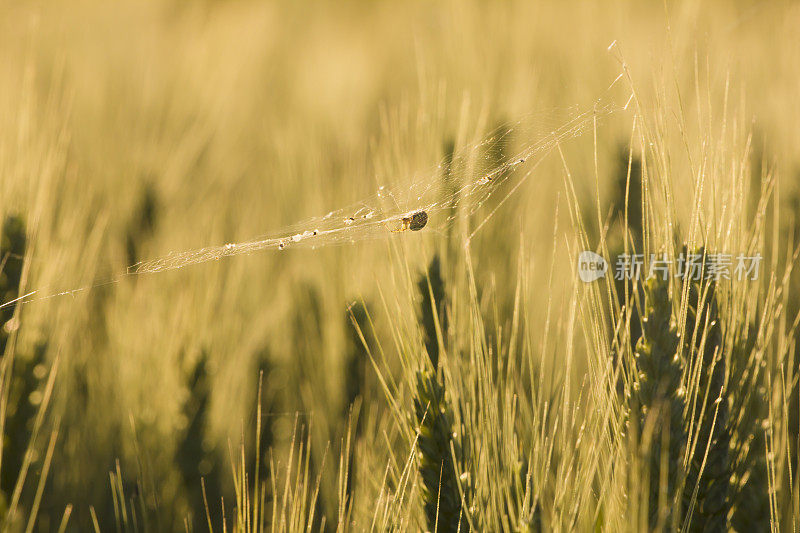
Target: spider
<point>414,222</point>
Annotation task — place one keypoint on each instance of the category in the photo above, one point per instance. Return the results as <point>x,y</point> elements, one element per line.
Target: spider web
<point>436,193</point>
<point>459,185</point>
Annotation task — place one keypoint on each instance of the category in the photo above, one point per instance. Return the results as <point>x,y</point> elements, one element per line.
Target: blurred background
<point>132,129</point>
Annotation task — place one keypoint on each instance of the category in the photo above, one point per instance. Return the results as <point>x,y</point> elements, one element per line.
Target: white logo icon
<point>591,266</point>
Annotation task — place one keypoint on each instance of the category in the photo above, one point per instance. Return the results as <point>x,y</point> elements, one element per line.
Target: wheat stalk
<point>440,491</point>
<point>434,417</point>
<point>660,399</point>
<point>750,488</point>
<point>708,473</point>
<point>13,242</point>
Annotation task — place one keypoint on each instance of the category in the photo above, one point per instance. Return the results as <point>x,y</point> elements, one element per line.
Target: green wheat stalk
<point>22,376</point>
<point>434,417</point>
<point>749,490</point>
<point>433,309</point>
<point>706,490</point>
<point>440,492</point>
<point>195,459</point>
<point>660,399</point>
<point>13,242</point>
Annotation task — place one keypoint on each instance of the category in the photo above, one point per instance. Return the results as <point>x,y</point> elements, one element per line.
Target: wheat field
<point>188,342</point>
